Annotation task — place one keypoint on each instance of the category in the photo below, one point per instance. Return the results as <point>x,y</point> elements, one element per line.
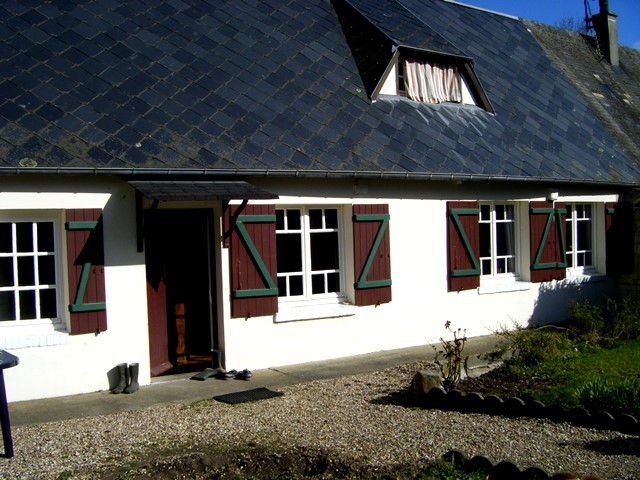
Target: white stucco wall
<point>421,303</point>
<point>57,363</point>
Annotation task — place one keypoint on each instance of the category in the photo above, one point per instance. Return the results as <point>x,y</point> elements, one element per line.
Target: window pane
<point>27,305</point>
<point>24,237</point>
<point>7,306</point>
<point>48,307</point>
<point>511,265</point>
<point>317,283</point>
<point>46,270</point>
<point>289,251</point>
<point>588,259</point>
<point>505,239</point>
<point>333,282</point>
<point>331,218</point>
<point>569,235</point>
<point>485,240</point>
<point>6,241</point>
<point>26,271</point>
<point>315,218</point>
<point>324,251</point>
<point>45,237</point>
<point>485,213</point>
<point>282,286</point>
<point>486,267</point>
<point>584,235</point>
<point>500,212</point>
<point>6,272</point>
<point>509,212</point>
<point>279,219</point>
<point>295,285</point>
<point>293,219</point>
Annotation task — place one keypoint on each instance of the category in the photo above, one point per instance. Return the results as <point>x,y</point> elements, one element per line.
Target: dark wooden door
<point>179,283</point>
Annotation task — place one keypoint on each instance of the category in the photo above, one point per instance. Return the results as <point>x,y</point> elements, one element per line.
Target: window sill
<point>502,286</point>
<point>15,337</point>
<point>577,278</point>
<point>315,312</point>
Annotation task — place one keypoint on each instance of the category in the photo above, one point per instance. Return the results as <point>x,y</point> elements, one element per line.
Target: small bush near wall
<point>616,320</point>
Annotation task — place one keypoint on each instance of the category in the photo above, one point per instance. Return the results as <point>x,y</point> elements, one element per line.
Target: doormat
<point>248,396</point>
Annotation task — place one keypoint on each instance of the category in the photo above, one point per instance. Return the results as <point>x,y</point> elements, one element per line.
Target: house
<point>271,183</point>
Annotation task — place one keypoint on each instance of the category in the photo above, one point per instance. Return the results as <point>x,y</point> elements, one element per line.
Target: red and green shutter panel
<point>85,257</point>
<point>547,241</point>
<point>372,256</point>
<point>254,291</point>
<point>463,245</point>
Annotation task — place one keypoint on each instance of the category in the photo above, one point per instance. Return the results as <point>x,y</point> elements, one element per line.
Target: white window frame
<point>309,299</point>
<point>41,331</point>
<point>574,219</point>
<point>494,258</point>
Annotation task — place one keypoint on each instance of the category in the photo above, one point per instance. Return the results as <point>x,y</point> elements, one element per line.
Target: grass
<point>568,370</point>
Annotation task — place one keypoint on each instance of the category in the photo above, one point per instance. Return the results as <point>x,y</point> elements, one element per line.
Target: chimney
<point>606,25</point>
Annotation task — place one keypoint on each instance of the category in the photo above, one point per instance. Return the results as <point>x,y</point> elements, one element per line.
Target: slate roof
<point>257,87</point>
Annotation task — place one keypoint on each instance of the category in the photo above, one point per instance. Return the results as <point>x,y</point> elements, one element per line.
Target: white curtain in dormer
<point>432,82</point>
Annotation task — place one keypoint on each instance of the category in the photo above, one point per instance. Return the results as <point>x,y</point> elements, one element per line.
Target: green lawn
<point>570,369</point>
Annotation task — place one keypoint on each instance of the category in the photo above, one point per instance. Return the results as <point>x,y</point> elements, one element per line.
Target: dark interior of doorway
<point>179,266</point>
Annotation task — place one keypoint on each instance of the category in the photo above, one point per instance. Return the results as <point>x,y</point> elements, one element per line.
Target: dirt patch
<point>296,464</point>
<point>500,381</point>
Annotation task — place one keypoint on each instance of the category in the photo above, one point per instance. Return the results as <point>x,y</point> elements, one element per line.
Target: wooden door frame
<point>157,297</point>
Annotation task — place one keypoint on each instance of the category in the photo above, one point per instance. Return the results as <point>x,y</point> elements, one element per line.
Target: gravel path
<point>351,417</point>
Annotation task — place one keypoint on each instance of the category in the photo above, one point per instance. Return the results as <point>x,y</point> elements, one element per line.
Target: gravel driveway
<point>349,417</point>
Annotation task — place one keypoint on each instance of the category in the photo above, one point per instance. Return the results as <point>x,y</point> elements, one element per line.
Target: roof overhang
<point>200,190</point>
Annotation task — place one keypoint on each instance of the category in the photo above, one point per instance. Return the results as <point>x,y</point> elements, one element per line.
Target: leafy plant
<point>532,346</point>
<point>616,320</point>
<point>599,394</point>
<point>449,358</point>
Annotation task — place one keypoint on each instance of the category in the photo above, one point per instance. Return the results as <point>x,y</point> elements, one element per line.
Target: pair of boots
<point>128,378</point>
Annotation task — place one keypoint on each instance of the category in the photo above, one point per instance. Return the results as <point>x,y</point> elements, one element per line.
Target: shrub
<point>593,324</point>
<point>451,364</point>
<point>624,316</point>
<point>620,398</point>
<point>532,346</point>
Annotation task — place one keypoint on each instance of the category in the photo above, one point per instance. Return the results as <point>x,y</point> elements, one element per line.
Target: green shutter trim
<point>272,288</point>
<point>77,305</point>
<point>550,212</point>
<point>384,224</point>
<point>455,214</point>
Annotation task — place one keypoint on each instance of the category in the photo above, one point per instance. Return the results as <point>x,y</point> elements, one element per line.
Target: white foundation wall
<point>52,363</point>
<point>420,303</point>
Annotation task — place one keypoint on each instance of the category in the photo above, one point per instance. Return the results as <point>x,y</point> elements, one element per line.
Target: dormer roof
<point>376,31</point>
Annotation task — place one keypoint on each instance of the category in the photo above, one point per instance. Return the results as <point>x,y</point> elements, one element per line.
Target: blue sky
<point>552,11</point>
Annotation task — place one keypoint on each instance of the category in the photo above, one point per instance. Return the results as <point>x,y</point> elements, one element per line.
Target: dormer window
<point>429,82</point>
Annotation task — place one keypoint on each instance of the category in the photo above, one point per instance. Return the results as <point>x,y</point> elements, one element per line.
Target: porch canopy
<point>200,190</point>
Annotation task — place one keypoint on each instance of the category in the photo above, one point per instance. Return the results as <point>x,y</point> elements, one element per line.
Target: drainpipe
<point>606,25</point>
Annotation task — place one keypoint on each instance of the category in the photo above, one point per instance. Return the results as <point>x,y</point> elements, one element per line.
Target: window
<point>429,82</point>
<point>498,249</point>
<point>579,236</point>
<point>28,283</point>
<point>308,253</point>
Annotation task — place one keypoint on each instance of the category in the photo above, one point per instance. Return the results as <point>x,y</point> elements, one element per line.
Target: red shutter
<point>547,241</point>
<point>372,256</point>
<point>85,257</point>
<point>253,260</point>
<point>463,245</point>
<point>619,238</point>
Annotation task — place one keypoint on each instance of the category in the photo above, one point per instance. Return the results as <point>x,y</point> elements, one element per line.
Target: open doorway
<point>180,290</point>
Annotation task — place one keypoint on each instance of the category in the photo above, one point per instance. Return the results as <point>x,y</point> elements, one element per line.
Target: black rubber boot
<point>133,379</point>
<point>122,382</point>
